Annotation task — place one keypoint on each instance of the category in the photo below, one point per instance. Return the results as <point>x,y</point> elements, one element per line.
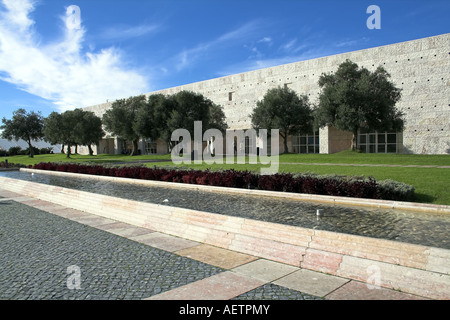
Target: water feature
<point>413,227</point>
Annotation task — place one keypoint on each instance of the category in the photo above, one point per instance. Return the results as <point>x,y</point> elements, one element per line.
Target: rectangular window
<point>308,143</point>
<point>250,145</point>
<point>378,142</point>
<point>230,96</point>
<point>150,147</point>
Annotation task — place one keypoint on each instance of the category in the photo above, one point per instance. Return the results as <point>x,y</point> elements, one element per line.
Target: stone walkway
<point>50,252</point>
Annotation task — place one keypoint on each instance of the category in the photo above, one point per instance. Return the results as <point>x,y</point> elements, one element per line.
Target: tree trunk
<point>68,150</point>
<point>62,148</point>
<point>91,152</point>
<point>31,155</point>
<point>135,148</point>
<point>355,140</point>
<point>286,149</point>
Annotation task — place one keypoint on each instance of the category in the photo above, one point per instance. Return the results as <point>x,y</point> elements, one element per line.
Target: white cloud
<point>350,42</point>
<point>121,32</point>
<point>189,56</point>
<point>265,40</point>
<point>60,71</point>
<point>256,64</point>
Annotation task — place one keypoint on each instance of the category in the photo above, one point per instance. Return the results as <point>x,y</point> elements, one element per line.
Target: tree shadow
<point>424,198</point>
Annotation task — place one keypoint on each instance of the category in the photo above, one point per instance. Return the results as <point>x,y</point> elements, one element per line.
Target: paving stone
<point>311,282</point>
<point>272,291</point>
<point>164,241</point>
<point>39,249</point>
<point>223,258</point>
<point>265,270</point>
<point>355,290</point>
<point>222,286</point>
<point>130,231</point>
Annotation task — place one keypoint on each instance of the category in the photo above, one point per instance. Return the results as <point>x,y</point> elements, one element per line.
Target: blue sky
<point>122,48</point>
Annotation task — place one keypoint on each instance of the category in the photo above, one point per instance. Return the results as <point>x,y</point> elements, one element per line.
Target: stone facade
<point>420,67</point>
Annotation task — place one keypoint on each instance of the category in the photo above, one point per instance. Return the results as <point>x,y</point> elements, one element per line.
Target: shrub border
<point>306,183</point>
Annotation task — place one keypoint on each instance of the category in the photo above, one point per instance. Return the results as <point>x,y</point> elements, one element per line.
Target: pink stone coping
<point>410,268</point>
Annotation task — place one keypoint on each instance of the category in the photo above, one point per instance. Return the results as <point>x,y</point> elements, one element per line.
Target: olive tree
<point>354,98</point>
<point>24,125</point>
<point>121,119</point>
<point>282,108</point>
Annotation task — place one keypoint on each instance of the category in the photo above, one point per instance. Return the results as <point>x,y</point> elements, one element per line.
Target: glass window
<point>150,147</point>
<point>391,138</point>
<point>308,143</point>
<point>362,139</point>
<point>391,148</point>
<point>378,142</point>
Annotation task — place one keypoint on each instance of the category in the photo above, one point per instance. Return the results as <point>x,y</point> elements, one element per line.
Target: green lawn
<point>431,184</point>
<point>364,158</point>
<point>102,158</point>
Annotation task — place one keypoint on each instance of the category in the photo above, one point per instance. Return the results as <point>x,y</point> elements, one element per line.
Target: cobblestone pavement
<point>48,257</point>
<point>272,291</point>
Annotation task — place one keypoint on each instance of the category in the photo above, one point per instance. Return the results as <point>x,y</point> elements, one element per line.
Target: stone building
<point>421,68</point>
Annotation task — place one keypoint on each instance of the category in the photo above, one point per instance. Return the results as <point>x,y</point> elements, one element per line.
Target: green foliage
<point>53,131</point>
<point>161,115</point>
<point>23,125</point>
<point>283,109</point>
<point>151,118</point>
<point>14,151</point>
<point>354,98</point>
<point>72,128</point>
<point>120,120</point>
<point>89,130</point>
<point>390,189</point>
<point>189,107</point>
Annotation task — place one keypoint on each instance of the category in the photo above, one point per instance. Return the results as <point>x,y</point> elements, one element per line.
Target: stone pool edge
<point>407,267</point>
<point>336,200</point>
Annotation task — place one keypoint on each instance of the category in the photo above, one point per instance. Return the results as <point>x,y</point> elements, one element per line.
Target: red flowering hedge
<point>333,185</point>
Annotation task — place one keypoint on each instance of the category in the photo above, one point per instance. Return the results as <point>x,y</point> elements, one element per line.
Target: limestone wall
<point>420,67</point>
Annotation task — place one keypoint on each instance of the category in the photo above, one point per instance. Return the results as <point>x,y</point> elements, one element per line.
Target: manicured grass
<point>431,184</point>
<point>364,158</point>
<point>101,158</point>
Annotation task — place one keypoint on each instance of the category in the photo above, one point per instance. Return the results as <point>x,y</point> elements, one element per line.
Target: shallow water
<point>413,227</point>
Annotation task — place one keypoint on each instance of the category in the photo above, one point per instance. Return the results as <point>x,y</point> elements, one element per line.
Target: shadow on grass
<point>424,198</point>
